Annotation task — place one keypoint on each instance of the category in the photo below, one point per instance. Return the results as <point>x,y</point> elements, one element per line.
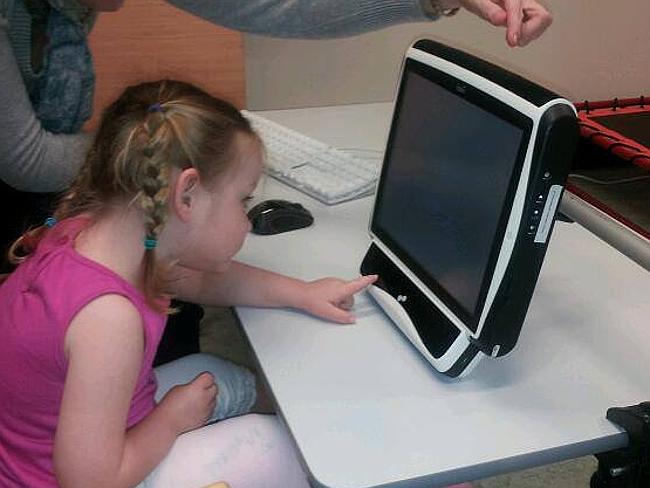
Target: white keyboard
<point>313,167</point>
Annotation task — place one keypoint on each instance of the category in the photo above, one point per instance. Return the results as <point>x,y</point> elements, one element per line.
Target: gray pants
<point>236,385</point>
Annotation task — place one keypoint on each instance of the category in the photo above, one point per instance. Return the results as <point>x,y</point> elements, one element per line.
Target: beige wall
<point>595,49</point>
<point>151,39</point>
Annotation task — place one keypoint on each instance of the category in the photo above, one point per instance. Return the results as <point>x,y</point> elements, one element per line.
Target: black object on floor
<point>181,335</point>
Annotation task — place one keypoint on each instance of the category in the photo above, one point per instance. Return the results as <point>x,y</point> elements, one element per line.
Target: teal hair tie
<point>150,243</point>
<point>50,222</point>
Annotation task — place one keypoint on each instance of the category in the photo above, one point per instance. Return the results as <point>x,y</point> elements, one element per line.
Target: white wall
<point>595,49</point>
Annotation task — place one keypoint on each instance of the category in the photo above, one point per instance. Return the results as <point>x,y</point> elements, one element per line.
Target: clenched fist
<point>190,405</point>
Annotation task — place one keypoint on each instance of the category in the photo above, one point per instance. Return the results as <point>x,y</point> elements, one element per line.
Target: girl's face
<point>220,223</point>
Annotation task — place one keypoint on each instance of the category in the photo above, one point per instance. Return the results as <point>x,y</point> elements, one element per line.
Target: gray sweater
<point>33,159</point>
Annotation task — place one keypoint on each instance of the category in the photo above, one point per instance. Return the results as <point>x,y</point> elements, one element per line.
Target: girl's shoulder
<point>59,274</point>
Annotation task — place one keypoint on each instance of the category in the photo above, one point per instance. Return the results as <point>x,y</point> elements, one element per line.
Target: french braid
<point>152,198</point>
<point>150,129</point>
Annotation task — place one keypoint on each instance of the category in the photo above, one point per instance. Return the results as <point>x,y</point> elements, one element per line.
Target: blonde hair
<point>150,129</point>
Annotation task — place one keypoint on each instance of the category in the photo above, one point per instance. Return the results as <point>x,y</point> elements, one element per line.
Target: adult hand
<point>190,405</point>
<point>524,20</point>
<point>332,299</point>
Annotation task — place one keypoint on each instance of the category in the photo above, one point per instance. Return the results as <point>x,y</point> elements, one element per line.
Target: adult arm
<point>31,158</point>
<point>305,18</point>
<point>524,20</point>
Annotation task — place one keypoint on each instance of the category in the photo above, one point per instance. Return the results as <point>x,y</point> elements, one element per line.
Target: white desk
<point>365,410</point>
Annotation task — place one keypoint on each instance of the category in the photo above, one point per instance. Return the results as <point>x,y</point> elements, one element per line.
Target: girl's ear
<point>183,193</point>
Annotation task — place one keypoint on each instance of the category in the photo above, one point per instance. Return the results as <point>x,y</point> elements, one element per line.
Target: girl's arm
<point>104,345</point>
<point>241,284</point>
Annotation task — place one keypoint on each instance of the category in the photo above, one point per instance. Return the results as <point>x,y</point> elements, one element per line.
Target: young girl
<point>158,210</point>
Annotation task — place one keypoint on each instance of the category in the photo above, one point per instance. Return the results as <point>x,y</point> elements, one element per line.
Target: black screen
<point>446,184</point>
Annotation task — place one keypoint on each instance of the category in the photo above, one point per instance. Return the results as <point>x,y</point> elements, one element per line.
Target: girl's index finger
<point>355,286</point>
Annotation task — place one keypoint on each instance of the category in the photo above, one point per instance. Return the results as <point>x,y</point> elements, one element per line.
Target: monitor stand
<point>443,344</point>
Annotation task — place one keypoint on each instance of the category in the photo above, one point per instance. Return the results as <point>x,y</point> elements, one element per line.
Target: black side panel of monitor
<point>526,89</point>
<point>557,138</point>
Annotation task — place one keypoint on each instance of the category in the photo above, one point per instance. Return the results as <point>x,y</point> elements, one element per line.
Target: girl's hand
<point>332,299</point>
<point>190,405</point>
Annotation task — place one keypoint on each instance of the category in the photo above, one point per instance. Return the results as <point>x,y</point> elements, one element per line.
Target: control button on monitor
<point>548,214</point>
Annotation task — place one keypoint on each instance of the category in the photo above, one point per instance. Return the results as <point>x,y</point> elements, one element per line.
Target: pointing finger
<point>355,286</point>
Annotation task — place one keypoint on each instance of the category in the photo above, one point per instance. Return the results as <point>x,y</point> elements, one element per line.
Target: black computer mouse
<point>277,216</point>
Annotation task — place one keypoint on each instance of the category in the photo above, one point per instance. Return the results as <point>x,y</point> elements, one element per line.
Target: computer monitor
<point>474,168</point>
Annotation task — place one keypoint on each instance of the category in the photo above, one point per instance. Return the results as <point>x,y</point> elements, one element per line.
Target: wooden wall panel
<point>150,39</point>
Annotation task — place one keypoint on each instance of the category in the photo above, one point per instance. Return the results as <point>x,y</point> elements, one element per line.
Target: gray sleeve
<point>31,158</point>
<point>305,18</point>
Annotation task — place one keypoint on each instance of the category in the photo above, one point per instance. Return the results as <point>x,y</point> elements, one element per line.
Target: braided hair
<point>150,129</point>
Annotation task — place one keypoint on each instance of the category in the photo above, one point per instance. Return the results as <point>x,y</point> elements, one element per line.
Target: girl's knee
<point>268,426</point>
<point>250,451</point>
<point>262,431</point>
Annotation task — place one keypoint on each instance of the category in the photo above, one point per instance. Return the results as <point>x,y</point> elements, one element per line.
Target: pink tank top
<point>37,302</point>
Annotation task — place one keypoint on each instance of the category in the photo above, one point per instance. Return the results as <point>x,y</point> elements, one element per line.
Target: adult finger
<point>536,20</point>
<point>487,10</point>
<point>514,18</point>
